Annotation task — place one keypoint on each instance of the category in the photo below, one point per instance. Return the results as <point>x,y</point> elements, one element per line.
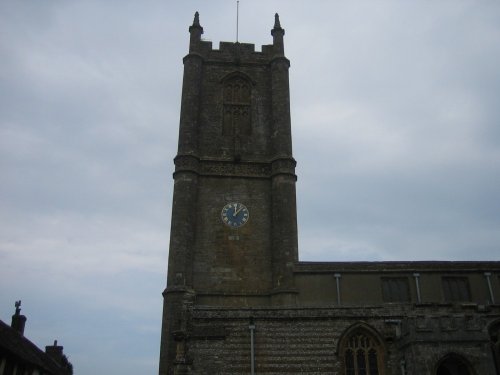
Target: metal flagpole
<point>237,18</point>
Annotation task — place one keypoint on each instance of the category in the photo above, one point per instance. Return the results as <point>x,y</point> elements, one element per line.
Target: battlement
<point>235,52</point>
<point>242,47</point>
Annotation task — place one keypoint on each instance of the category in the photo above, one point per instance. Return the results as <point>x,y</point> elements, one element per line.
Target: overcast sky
<point>396,126</point>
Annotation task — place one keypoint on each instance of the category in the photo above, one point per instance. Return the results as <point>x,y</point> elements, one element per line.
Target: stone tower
<point>233,238</point>
<point>239,302</point>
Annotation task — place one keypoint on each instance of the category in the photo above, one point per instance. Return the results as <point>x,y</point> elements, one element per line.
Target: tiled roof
<point>19,346</point>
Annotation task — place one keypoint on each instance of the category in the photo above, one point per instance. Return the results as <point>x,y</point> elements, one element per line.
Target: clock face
<point>235,215</point>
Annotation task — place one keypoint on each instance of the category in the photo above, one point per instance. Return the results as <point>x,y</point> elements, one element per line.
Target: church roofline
<point>398,266</point>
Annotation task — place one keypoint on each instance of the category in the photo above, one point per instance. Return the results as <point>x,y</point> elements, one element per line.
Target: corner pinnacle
<point>277,24</point>
<point>196,21</point>
<point>196,24</point>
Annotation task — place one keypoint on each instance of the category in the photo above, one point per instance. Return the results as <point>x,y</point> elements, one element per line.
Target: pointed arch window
<point>237,94</point>
<point>453,364</point>
<point>361,354</point>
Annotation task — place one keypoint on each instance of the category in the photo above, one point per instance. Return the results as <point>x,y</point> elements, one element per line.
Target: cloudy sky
<point>396,125</point>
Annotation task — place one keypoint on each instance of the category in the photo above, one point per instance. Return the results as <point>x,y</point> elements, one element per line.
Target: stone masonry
<point>238,301</point>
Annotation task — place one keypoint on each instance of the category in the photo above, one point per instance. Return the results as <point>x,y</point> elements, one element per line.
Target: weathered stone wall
<point>220,279</point>
<point>230,260</point>
<point>429,335</point>
<point>255,169</point>
<point>306,341</point>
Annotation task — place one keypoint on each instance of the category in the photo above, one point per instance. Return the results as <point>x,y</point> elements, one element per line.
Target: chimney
<point>18,320</point>
<point>55,352</point>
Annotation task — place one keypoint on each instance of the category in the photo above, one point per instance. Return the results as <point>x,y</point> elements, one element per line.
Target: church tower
<point>239,302</point>
<point>233,238</point>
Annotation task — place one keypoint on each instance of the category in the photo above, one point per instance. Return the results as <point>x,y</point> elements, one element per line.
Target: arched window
<point>453,364</point>
<point>237,100</point>
<point>361,353</point>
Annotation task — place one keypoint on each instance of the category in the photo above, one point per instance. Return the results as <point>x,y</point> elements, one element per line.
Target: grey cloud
<point>395,123</point>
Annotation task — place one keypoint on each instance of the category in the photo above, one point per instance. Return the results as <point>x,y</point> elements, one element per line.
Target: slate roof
<point>19,346</point>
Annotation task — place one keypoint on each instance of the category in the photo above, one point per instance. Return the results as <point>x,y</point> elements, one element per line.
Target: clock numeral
<point>234,214</point>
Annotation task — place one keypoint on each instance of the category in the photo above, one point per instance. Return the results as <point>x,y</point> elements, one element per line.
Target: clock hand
<point>237,211</point>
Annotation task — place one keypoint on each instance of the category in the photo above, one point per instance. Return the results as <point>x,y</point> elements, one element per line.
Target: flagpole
<point>237,18</point>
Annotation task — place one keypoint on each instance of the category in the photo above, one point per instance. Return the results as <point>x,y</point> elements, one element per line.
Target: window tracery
<point>361,354</point>
<point>236,107</point>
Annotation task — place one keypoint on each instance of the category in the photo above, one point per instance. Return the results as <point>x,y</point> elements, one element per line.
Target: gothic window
<point>456,289</point>
<point>236,107</point>
<point>395,289</point>
<point>453,364</point>
<point>361,354</point>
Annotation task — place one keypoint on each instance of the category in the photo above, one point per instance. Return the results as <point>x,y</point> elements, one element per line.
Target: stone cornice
<point>280,59</point>
<point>447,267</point>
<point>345,312</point>
<point>192,55</point>
<point>227,168</point>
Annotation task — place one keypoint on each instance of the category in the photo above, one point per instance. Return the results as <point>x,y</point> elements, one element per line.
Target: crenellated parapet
<point>236,52</point>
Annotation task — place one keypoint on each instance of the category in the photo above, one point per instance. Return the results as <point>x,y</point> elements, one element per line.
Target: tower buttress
<point>179,294</point>
<point>285,241</point>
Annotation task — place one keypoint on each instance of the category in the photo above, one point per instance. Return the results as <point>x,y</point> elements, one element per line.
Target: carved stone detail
<point>284,166</point>
<point>228,168</point>
<point>218,168</point>
<point>186,163</point>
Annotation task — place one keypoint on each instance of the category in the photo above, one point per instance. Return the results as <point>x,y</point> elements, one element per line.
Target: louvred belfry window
<point>361,354</point>
<point>237,101</point>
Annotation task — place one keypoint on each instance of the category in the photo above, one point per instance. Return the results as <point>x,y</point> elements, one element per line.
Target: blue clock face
<point>235,215</point>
